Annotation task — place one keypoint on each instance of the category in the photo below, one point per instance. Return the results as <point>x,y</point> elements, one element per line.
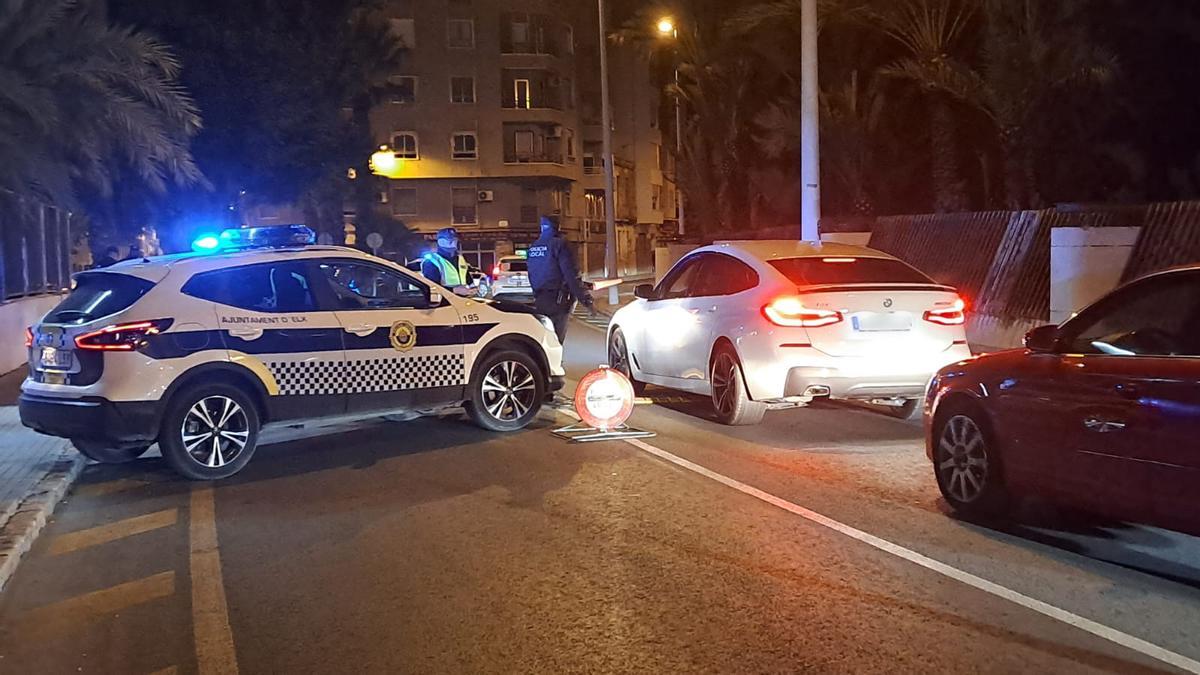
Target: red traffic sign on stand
<point>604,399</point>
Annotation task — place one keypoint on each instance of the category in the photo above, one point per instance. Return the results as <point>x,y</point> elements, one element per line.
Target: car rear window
<point>849,270</point>
<point>514,266</point>
<point>97,295</point>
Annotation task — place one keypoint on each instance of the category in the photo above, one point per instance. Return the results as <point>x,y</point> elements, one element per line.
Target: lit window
<point>462,90</point>
<point>404,144</point>
<point>403,89</point>
<point>404,201</point>
<point>464,145</point>
<point>521,95</point>
<point>460,34</point>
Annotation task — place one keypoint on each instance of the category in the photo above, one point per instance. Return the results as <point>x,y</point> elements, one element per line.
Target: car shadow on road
<point>1169,556</point>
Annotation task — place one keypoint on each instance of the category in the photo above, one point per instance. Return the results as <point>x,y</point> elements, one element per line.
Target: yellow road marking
<point>110,487</point>
<point>64,615</point>
<point>102,534</point>
<point>210,613</point>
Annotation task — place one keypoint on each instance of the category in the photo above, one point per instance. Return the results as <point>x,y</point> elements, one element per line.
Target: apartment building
<point>495,121</point>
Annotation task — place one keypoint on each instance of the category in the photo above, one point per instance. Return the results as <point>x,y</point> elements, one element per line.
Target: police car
<point>199,351</point>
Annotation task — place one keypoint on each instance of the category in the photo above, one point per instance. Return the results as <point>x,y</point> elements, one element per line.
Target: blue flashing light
<point>206,244</point>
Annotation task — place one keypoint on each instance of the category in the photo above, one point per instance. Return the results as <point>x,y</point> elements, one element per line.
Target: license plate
<point>51,377</point>
<point>875,322</point>
<point>55,358</point>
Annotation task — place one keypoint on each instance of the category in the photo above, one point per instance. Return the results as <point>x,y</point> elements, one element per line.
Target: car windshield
<point>97,295</point>
<point>847,270</point>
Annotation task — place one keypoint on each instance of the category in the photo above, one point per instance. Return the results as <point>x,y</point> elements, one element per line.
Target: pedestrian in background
<point>555,278</point>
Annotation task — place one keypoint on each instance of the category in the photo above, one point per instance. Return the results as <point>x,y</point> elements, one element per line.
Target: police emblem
<point>403,336</point>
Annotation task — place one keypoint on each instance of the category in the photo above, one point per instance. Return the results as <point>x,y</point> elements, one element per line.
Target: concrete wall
<point>1086,263</point>
<point>15,317</point>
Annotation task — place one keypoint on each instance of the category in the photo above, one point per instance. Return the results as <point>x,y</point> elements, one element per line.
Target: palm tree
<point>1035,54</point>
<point>81,100</point>
<point>930,33</point>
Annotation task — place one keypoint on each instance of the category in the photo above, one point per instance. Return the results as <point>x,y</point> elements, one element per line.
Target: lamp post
<point>666,28</point>
<point>610,203</point>
<point>810,135</point>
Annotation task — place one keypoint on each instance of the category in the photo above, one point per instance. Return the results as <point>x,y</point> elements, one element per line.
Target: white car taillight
<point>790,311</point>
<point>954,315</point>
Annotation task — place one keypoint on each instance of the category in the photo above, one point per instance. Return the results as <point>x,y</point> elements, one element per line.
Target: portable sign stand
<point>604,401</point>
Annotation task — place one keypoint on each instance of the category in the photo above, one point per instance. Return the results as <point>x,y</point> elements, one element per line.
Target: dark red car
<point>1101,413</point>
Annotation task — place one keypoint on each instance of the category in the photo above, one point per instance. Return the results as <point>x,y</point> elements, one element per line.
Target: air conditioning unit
<point>556,131</point>
<point>487,196</point>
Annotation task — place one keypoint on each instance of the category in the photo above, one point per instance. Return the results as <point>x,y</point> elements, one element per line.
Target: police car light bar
<point>277,236</point>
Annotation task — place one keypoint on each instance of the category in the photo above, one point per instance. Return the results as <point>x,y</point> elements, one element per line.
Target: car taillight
<point>28,337</point>
<point>496,271</point>
<point>124,337</point>
<point>954,315</point>
<point>792,312</point>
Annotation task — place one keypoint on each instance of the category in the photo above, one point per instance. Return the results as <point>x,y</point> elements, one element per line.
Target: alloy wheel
<point>215,431</point>
<point>963,459</point>
<point>509,391</point>
<point>618,355</point>
<point>724,381</point>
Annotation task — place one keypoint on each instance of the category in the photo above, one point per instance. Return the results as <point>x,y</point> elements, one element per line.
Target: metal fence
<point>35,248</point>
<point>1170,236</point>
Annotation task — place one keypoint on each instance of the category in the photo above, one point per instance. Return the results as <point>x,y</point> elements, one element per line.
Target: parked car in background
<point>1101,413</point>
<point>764,324</point>
<point>510,279</point>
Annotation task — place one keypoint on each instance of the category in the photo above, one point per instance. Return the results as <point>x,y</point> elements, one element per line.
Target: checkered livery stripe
<point>367,376</point>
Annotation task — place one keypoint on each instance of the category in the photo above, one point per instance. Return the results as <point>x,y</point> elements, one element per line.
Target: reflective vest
<point>452,275</point>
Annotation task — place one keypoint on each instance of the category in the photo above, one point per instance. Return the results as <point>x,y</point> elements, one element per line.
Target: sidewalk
<point>35,473</point>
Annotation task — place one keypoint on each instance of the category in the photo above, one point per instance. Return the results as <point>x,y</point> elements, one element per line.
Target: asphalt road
<point>815,542</point>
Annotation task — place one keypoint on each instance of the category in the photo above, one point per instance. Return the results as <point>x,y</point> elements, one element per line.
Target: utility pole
<point>810,135</point>
<point>610,202</point>
<point>679,151</point>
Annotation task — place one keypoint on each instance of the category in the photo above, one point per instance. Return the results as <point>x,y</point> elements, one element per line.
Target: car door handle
<point>361,330</point>
<point>246,333</point>
<point>1103,426</point>
<point>1126,390</point>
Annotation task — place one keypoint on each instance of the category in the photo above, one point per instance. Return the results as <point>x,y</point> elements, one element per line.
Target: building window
<point>460,34</point>
<point>562,202</point>
<point>569,141</point>
<point>406,31</point>
<point>403,89</point>
<point>524,143</point>
<point>529,206</point>
<point>464,145</point>
<point>404,201</point>
<point>658,156</point>
<point>463,206</point>
<point>656,193</point>
<point>404,144</point>
<point>519,32</point>
<point>521,95</point>
<point>462,90</point>
<point>569,38</point>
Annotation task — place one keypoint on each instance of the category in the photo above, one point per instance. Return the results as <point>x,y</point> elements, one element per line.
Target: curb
<point>22,529</point>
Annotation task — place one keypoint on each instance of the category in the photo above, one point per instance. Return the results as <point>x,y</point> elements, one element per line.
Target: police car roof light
<point>276,236</point>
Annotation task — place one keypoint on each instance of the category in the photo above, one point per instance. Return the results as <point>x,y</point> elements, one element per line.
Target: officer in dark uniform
<point>555,277</point>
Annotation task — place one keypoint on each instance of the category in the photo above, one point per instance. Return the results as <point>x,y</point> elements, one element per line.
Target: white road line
<point>210,614</point>
<point>1098,629</point>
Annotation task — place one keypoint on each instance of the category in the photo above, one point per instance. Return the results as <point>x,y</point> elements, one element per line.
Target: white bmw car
<point>776,324</point>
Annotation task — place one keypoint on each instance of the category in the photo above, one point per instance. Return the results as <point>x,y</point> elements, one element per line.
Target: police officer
<point>555,277</point>
<point>446,266</point>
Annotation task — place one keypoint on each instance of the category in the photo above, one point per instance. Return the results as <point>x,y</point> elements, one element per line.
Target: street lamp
<point>666,29</point>
<point>610,202</point>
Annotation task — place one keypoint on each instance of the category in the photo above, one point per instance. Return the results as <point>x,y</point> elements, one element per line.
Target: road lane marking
<point>1087,625</point>
<point>210,613</point>
<point>102,534</point>
<point>110,487</point>
<point>66,614</point>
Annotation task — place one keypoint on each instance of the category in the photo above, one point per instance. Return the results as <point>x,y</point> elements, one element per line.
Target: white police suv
<point>199,351</point>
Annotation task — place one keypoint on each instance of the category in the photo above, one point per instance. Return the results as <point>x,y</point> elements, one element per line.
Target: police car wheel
<point>506,391</point>
<point>108,453</point>
<point>210,431</point>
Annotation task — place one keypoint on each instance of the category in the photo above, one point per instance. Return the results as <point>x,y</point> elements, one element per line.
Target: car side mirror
<point>435,299</point>
<point>1042,339</point>
<point>644,291</point>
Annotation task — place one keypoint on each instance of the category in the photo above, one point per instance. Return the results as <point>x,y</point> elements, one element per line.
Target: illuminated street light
<point>666,26</point>
<point>384,162</point>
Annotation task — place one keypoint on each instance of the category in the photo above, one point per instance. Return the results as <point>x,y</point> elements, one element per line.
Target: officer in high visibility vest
<point>446,266</point>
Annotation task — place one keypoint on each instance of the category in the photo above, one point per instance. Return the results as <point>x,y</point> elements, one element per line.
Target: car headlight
<point>546,322</point>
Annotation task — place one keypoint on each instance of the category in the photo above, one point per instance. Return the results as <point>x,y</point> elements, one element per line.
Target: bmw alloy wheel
<point>963,459</point>
<point>215,431</point>
<point>509,391</point>
<point>724,383</point>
